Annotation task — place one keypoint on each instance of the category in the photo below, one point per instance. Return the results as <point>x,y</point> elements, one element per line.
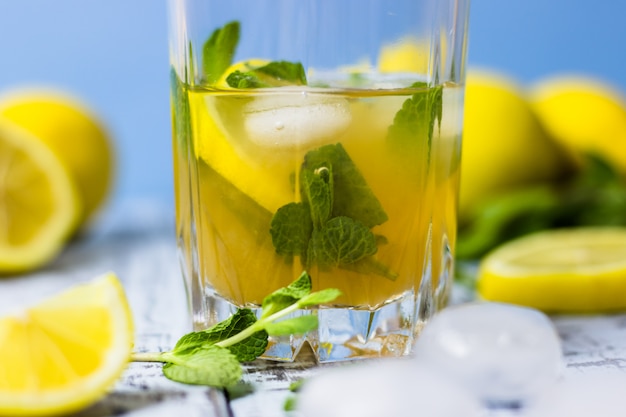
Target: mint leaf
<point>291,229</point>
<point>212,357</point>
<point>274,74</point>
<point>413,125</point>
<point>213,366</point>
<point>371,265</point>
<point>244,351</point>
<point>317,184</point>
<point>219,50</point>
<point>180,102</point>
<point>319,297</point>
<point>352,197</point>
<point>295,325</point>
<point>286,296</point>
<point>341,241</point>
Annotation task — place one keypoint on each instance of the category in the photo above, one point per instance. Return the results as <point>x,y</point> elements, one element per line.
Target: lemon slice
<point>39,204</point>
<point>64,353</point>
<point>570,270</point>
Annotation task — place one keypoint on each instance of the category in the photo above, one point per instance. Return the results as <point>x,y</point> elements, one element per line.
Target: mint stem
<point>147,357</point>
<point>257,326</point>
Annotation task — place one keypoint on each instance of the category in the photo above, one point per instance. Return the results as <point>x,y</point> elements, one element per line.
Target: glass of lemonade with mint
<point>320,136</point>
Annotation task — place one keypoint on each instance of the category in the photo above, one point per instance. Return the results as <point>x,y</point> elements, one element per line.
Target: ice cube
<point>384,388</point>
<point>293,119</point>
<point>505,354</point>
<point>584,395</point>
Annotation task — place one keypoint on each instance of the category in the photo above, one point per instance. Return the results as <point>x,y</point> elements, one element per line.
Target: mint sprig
<point>416,119</point>
<point>331,226</point>
<point>218,51</point>
<point>274,74</point>
<point>213,356</point>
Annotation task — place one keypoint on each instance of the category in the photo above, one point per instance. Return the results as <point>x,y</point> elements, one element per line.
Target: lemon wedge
<point>580,270</point>
<point>62,354</point>
<point>39,203</point>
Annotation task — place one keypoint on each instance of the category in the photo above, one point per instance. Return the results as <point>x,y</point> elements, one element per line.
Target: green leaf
<point>245,351</point>
<point>213,366</point>
<point>274,74</point>
<point>341,241</point>
<point>371,266</point>
<point>295,325</point>
<point>286,296</point>
<point>219,50</point>
<point>291,229</point>
<point>180,103</point>
<point>413,125</point>
<point>319,297</point>
<point>317,186</point>
<point>352,197</point>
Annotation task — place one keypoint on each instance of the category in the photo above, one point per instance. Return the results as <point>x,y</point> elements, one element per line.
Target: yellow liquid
<point>240,160</point>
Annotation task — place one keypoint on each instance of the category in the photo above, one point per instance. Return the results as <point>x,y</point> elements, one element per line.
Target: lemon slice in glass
<point>579,270</point>
<point>39,203</point>
<point>64,353</point>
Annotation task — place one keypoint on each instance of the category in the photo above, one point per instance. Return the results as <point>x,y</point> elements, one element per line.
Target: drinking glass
<point>319,135</point>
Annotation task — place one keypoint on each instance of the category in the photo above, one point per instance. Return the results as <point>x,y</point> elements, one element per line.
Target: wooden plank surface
<point>138,244</point>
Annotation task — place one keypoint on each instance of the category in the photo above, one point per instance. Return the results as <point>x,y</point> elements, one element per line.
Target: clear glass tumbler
<point>319,135</point>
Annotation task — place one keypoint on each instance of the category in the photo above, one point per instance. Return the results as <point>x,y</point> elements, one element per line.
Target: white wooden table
<point>137,243</point>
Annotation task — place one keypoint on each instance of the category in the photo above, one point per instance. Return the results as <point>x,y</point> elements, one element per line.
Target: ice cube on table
<point>584,395</point>
<point>505,354</point>
<point>295,118</point>
<point>383,388</point>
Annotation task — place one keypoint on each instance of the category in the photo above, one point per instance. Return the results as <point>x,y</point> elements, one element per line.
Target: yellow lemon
<point>63,354</point>
<point>504,145</point>
<point>407,55</point>
<point>74,134</point>
<point>563,271</point>
<point>584,115</point>
<point>39,203</point>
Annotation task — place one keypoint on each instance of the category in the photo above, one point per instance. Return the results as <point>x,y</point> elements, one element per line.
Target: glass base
<point>343,333</point>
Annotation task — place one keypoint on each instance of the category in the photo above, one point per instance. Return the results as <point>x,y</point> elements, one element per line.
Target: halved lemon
<point>39,203</point>
<point>75,134</point>
<point>64,353</point>
<point>579,270</point>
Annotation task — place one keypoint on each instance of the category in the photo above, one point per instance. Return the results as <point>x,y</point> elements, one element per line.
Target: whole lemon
<point>73,132</point>
<point>583,114</point>
<point>504,145</point>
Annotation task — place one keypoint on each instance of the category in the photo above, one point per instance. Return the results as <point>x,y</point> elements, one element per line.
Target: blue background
<point>113,54</point>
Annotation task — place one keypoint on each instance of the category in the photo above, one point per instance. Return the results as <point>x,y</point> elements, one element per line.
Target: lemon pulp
<point>39,205</point>
<point>64,353</point>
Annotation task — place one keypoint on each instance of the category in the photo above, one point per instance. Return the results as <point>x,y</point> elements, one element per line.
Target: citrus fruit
<point>39,204</point>
<point>584,115</point>
<point>504,145</point>
<point>65,352</point>
<point>407,55</point>
<point>560,270</point>
<point>74,134</point>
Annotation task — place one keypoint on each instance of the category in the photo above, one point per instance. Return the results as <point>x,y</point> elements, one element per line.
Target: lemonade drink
<point>286,160</point>
<point>393,173</point>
